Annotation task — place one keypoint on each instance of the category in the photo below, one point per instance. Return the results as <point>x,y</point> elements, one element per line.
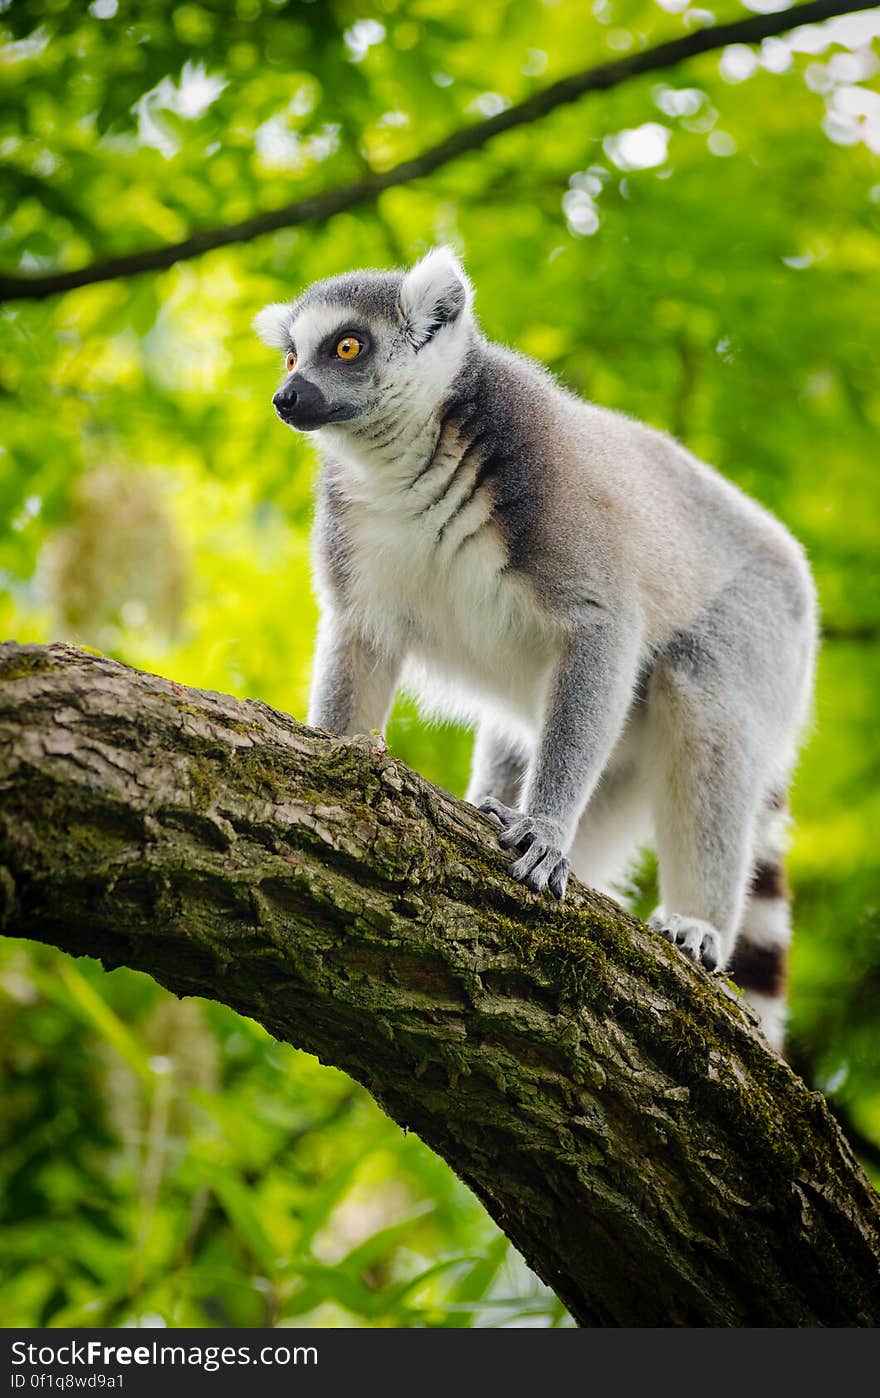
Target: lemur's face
<point>355,345</point>
<point>337,353</point>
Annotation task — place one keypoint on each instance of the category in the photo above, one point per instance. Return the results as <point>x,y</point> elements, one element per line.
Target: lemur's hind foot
<point>698,940</point>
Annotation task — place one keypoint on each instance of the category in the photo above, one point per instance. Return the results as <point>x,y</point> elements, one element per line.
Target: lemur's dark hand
<point>541,863</point>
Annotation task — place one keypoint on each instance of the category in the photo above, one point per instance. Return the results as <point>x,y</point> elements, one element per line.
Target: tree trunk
<point>613,1107</point>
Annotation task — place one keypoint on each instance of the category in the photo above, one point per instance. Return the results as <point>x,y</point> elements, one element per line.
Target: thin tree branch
<point>316,208</point>
<point>611,1105</point>
<point>866,634</point>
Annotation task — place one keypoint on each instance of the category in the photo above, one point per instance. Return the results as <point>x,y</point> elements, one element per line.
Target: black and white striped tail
<point>759,964</point>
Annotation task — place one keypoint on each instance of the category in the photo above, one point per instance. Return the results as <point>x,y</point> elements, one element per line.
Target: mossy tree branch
<point>613,1107</point>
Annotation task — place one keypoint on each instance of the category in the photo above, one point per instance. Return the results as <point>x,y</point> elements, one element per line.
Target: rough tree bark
<point>613,1107</point>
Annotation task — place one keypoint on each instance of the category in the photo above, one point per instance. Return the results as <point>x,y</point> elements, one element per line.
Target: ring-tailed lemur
<point>632,636</point>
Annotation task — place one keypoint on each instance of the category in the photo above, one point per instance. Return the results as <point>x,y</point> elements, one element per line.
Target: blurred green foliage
<point>699,248</point>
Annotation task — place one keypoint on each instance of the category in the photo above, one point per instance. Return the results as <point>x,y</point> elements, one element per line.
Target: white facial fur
<point>273,324</point>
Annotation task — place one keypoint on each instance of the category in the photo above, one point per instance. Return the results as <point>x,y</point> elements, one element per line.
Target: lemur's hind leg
<point>725,702</point>
<point>498,766</point>
<point>705,800</point>
<point>615,824</point>
<point>716,744</point>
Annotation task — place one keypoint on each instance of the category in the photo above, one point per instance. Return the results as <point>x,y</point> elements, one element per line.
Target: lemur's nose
<point>300,402</point>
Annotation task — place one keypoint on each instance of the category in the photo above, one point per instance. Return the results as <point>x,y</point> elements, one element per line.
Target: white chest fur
<point>430,583</point>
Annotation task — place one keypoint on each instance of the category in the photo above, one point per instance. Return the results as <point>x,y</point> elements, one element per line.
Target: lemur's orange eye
<point>291,361</point>
<point>349,347</point>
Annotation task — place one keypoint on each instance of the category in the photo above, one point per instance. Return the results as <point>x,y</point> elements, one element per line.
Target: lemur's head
<point>355,345</point>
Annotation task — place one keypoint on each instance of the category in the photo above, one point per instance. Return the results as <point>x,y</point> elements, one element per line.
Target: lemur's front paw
<point>698,940</point>
<point>541,863</point>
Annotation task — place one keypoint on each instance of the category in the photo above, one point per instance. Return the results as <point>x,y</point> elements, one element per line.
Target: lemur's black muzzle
<point>301,404</point>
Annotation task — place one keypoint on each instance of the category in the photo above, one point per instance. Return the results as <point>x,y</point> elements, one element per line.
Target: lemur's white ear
<point>435,292</point>
<point>272,324</point>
